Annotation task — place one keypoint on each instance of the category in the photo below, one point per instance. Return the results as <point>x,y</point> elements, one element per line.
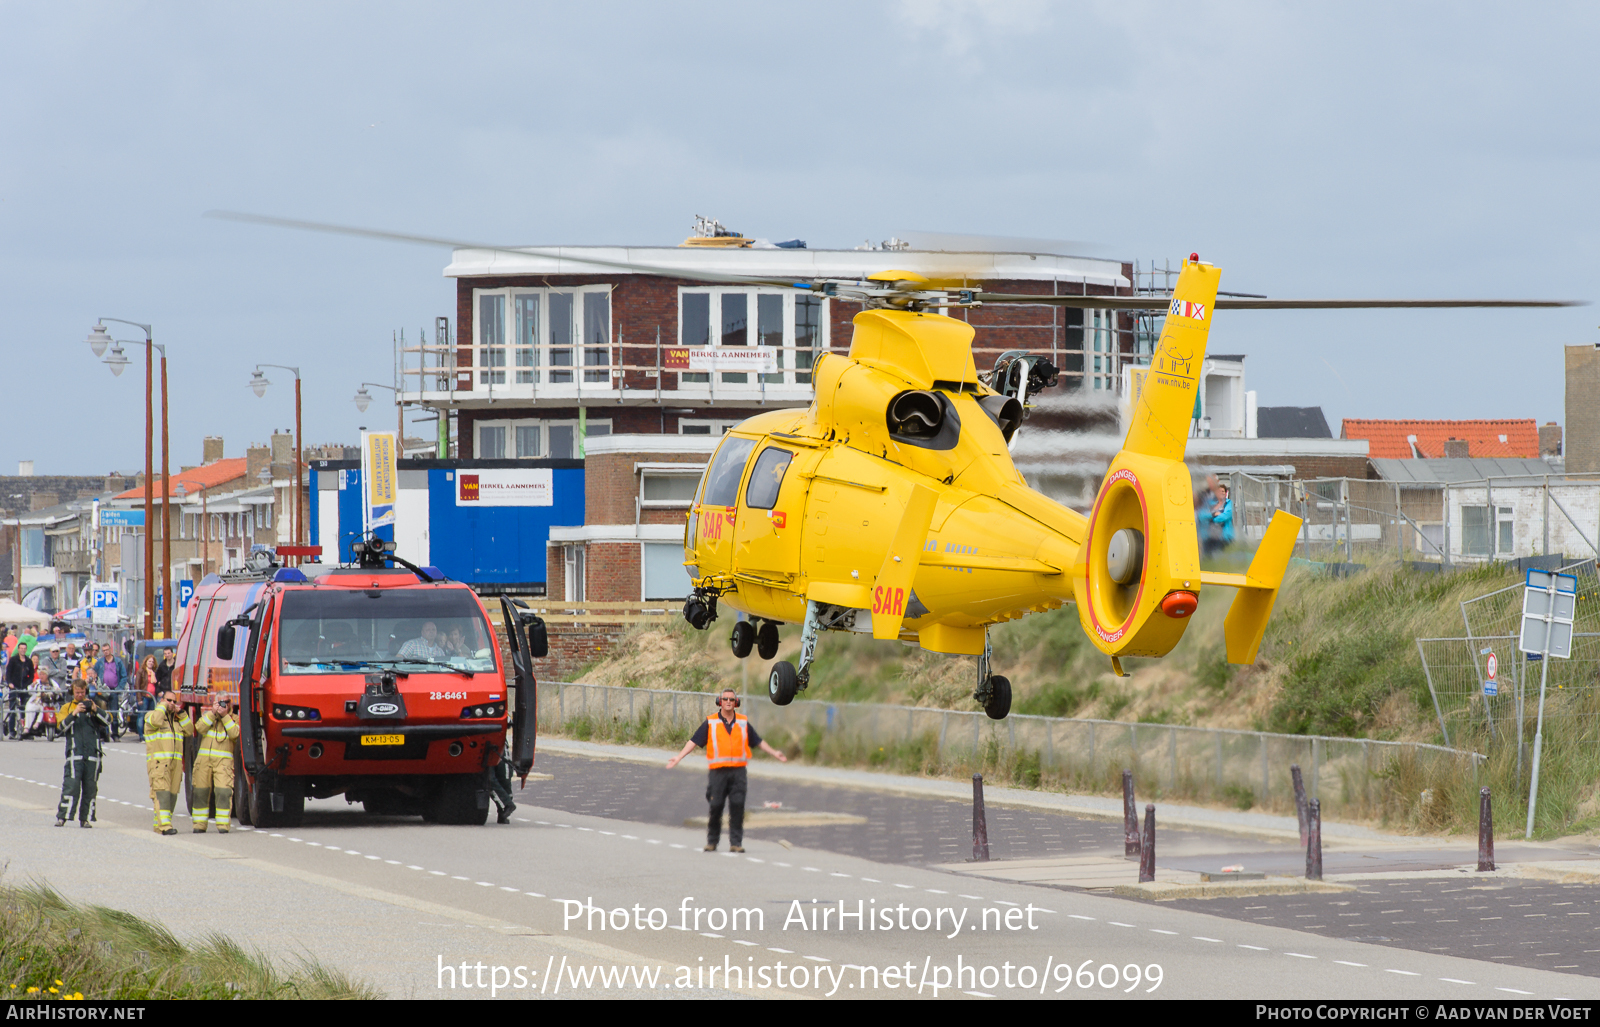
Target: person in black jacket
<point>19,675</point>
<point>84,725</point>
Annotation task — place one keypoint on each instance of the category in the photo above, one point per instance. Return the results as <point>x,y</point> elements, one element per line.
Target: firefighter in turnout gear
<point>86,729</point>
<point>165,728</point>
<point>212,776</point>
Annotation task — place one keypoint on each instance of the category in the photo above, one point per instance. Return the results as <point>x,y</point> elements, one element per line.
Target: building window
<point>703,426</point>
<point>597,337</point>
<point>33,549</point>
<point>492,340</point>
<point>669,486</point>
<point>526,306</point>
<point>531,439</point>
<point>491,442</point>
<point>572,559</point>
<point>793,326</point>
<point>547,329</point>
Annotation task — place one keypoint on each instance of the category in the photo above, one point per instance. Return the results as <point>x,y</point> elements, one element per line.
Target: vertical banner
<point>380,477</point>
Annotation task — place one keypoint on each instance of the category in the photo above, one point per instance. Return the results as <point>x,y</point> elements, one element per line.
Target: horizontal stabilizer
<point>1258,588</point>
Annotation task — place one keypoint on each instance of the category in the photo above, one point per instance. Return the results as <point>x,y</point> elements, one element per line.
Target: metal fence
<point>1457,670</point>
<point>1359,520</point>
<point>1354,777</point>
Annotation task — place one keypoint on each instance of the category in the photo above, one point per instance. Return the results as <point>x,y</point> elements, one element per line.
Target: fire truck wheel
<point>457,801</point>
<point>262,816</point>
<point>241,795</point>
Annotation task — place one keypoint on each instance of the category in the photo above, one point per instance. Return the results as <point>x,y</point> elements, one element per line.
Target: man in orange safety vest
<point>728,738</point>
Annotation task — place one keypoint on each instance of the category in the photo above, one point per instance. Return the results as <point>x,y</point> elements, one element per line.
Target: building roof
<point>1390,440</point>
<point>206,476</point>
<point>799,264</point>
<point>1458,470</point>
<point>1291,423</point>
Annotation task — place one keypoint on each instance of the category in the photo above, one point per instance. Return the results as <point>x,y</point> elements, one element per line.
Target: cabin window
<point>767,478</point>
<point>722,478</point>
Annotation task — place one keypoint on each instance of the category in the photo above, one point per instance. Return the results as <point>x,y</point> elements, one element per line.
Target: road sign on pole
<point>1549,603</point>
<point>1491,668</point>
<point>104,605</point>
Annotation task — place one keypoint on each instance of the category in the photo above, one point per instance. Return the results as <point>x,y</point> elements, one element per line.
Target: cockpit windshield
<point>413,631</point>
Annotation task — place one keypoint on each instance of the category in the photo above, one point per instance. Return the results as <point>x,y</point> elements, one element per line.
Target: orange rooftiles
<point>1390,440</point>
<point>206,476</point>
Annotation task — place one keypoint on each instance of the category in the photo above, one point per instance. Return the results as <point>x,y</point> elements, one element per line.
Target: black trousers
<point>80,783</point>
<point>726,786</point>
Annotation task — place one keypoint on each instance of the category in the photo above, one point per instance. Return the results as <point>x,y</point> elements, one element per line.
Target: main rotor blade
<point>1162,302</point>
<point>525,251</point>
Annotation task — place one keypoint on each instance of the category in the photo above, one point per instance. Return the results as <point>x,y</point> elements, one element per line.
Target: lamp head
<point>99,340</point>
<point>363,399</point>
<point>259,383</point>
<point>117,360</point>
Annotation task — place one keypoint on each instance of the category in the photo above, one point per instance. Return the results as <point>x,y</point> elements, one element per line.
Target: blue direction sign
<point>121,518</point>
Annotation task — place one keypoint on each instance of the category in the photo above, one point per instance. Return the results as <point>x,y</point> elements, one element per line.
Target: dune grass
<point>51,948</point>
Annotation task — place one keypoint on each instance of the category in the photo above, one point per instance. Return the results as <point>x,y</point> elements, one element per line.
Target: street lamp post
<point>118,362</point>
<point>259,383</point>
<point>363,399</point>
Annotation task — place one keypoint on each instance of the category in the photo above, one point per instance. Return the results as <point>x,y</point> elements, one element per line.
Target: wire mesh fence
<point>1357,520</point>
<point>1352,777</point>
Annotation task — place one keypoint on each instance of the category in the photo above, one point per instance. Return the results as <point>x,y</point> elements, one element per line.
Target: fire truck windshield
<point>336,631</point>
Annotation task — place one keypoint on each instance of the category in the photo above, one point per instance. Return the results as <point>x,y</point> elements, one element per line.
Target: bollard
<point>1130,818</point>
<point>1485,832</point>
<point>1299,799</point>
<point>980,825</point>
<point>1147,846</point>
<point>1314,840</point>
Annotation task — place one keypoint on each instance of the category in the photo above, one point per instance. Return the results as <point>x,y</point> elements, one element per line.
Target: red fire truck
<point>381,681</point>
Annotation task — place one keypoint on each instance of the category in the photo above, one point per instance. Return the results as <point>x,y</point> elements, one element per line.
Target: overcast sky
<point>1333,150</point>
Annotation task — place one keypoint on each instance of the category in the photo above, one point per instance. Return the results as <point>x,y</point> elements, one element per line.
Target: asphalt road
<point>398,902</point>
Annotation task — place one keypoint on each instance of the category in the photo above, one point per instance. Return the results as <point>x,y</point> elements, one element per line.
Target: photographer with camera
<point>212,776</point>
<point>165,728</point>
<point>84,724</point>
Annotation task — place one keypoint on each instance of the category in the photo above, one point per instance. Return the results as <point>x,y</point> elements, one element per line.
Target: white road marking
<point>1346,962</point>
<point>786,952</point>
<point>1408,973</point>
<point>1075,916</point>
<point>1299,955</point>
<point>1157,930</point>
<point>1256,948</point>
<point>1214,941</point>
<point>1514,991</point>
<point>741,941</point>
<point>1118,923</point>
<point>1452,980</point>
<point>818,959</point>
<point>979,994</point>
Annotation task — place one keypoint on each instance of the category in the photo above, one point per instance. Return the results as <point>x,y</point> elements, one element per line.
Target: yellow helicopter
<point>891,506</point>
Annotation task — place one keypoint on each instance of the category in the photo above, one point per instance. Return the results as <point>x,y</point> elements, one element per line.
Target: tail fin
<point>1258,588</point>
<point>1162,415</point>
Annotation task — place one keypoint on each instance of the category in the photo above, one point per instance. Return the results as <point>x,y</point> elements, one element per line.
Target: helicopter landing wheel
<point>767,641</point>
<point>999,702</point>
<point>744,635</point>
<point>783,683</point>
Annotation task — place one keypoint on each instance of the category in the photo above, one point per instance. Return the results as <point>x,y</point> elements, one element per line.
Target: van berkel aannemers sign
<point>505,487</point>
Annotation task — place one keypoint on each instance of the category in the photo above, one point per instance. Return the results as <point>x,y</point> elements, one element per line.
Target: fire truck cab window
<point>339,631</point>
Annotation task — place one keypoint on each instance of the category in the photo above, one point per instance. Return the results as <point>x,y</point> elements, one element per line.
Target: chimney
<point>1550,439</point>
<point>40,500</point>
<point>211,449</point>
<point>24,468</point>
<point>282,454</point>
<point>1455,449</point>
<point>256,460</point>
<point>114,483</point>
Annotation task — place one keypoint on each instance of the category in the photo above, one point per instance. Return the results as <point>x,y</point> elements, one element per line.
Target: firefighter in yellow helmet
<point>165,728</point>
<point>212,775</point>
